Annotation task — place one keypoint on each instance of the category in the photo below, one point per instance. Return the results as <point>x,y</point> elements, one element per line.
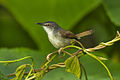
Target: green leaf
<point>113,10</point>
<point>65,12</point>
<point>94,69</point>
<point>3,77</point>
<point>73,66</point>
<point>39,58</point>
<point>17,53</point>
<point>11,32</point>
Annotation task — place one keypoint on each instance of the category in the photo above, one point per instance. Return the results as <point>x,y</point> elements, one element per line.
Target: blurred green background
<point>20,36</point>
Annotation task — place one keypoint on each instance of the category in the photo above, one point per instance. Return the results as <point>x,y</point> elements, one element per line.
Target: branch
<point>103,45</point>
<point>54,66</point>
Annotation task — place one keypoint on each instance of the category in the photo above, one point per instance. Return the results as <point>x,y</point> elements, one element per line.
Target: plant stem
<point>17,60</point>
<point>101,63</point>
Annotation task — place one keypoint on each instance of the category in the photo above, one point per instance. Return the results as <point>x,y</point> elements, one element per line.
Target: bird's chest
<point>58,41</point>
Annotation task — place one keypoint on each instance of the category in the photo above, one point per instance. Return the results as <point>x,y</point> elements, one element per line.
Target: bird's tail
<point>86,33</point>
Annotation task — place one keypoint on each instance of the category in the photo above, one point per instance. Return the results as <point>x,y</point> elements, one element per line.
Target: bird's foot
<point>60,50</point>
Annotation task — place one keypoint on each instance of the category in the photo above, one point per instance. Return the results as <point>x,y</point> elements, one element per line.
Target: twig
<point>100,46</point>
<point>17,60</point>
<point>51,54</point>
<point>35,70</point>
<point>103,45</point>
<point>67,52</point>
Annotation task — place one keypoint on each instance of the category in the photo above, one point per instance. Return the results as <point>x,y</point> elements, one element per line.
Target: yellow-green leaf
<point>73,66</point>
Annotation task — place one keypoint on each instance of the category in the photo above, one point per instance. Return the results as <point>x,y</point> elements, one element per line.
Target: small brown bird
<point>60,37</point>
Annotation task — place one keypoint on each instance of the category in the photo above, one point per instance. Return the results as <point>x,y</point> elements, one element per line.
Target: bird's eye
<point>47,24</point>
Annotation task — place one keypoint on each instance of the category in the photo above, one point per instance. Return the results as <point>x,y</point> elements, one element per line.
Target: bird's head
<point>49,24</point>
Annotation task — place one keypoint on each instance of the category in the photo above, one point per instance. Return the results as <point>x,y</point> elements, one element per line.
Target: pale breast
<point>58,41</point>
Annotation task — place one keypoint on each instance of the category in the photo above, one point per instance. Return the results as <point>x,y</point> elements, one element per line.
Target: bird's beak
<point>40,23</point>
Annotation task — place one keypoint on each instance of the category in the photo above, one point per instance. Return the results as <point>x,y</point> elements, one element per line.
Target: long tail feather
<point>86,33</point>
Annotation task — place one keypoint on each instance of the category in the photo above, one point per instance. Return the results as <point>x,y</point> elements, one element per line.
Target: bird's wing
<point>86,33</point>
<point>67,34</point>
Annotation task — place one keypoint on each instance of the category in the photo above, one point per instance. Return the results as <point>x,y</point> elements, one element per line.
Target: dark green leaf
<point>113,10</point>
<point>16,53</point>
<point>2,77</point>
<point>94,69</point>
<point>11,32</point>
<point>65,12</point>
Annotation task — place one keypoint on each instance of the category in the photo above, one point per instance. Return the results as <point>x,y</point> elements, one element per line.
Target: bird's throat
<point>48,30</point>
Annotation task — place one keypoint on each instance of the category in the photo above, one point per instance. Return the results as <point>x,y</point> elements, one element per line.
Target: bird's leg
<point>60,50</point>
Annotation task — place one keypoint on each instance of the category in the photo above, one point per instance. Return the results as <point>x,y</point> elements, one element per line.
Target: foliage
<point>72,64</point>
<point>3,77</point>
<point>18,29</point>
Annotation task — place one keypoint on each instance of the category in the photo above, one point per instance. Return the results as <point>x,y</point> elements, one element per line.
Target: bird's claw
<point>59,51</point>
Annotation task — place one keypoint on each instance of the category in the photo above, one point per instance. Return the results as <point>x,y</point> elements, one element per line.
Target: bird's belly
<point>59,42</point>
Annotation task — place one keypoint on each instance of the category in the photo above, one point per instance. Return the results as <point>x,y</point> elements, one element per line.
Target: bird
<point>60,37</point>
